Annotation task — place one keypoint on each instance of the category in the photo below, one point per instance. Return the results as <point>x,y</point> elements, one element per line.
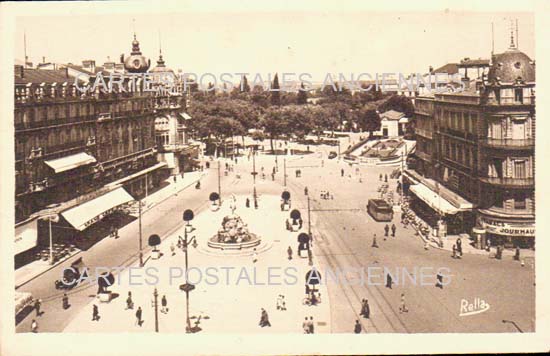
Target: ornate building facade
<point>475,152</point>
<point>74,147</point>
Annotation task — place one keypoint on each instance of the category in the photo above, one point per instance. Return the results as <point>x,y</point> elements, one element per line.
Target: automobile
<point>332,155</point>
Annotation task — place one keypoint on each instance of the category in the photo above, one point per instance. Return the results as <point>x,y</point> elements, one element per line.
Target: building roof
<point>449,68</point>
<point>511,66</point>
<point>467,62</point>
<point>392,115</point>
<point>39,76</point>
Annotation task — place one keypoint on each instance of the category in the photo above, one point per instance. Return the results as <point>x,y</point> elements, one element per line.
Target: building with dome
<point>474,168</point>
<point>173,145</point>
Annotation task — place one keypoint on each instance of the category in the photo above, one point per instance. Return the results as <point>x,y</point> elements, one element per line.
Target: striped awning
<point>70,162</point>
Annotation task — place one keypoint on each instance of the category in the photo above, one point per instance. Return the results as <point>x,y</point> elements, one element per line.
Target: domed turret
<point>136,62</point>
<point>511,67</point>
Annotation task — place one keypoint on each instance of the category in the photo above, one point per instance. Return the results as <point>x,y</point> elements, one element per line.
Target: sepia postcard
<point>274,178</point>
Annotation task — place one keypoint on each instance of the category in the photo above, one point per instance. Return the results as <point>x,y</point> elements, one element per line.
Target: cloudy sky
<point>318,42</point>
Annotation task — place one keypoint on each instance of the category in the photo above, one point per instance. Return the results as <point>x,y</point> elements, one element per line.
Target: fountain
<point>233,234</point>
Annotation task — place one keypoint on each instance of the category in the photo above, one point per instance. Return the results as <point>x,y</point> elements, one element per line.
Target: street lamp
<point>513,323</point>
<point>187,287</point>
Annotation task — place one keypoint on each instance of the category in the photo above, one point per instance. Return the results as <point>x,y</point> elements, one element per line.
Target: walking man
<point>389,281</point>
<point>95,313</point>
<point>37,305</point>
<point>393,229</point>
<point>374,243</point>
<point>439,281</point>
<point>65,301</point>
<point>129,302</point>
<point>365,308</point>
<point>164,304</point>
<point>403,306</point>
<point>386,231</point>
<point>264,319</point>
<point>34,326</point>
<point>459,247</point>
<point>342,172</point>
<point>138,317</point>
<point>289,251</point>
<point>311,325</point>
<point>305,326</point>
<point>358,328</point>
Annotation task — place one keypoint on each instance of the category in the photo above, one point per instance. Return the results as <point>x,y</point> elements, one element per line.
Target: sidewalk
<point>230,289</point>
<point>34,269</point>
<point>468,248</point>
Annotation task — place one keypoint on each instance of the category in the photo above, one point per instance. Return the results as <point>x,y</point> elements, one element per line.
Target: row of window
<point>68,110</point>
<point>457,120</point>
<point>458,152</point>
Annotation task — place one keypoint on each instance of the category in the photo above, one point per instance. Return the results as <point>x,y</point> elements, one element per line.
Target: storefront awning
<point>82,216</point>
<point>26,236</point>
<point>70,162</point>
<point>434,200</point>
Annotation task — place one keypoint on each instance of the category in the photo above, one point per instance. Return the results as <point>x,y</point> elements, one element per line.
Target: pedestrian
<point>305,326</point>
<point>264,319</point>
<point>311,325</point>
<point>459,247</point>
<point>386,230</point>
<point>129,302</point>
<point>173,249</point>
<point>403,306</point>
<point>138,317</point>
<point>393,229</point>
<point>439,280</point>
<point>516,256</point>
<point>305,191</point>
<point>366,312</point>
<point>289,252</point>
<point>175,178</point>
<point>34,326</point>
<point>386,178</point>
<point>342,172</point>
<point>358,328</point>
<point>254,256</point>
<point>380,177</point>
<point>37,305</point>
<point>164,304</point>
<point>65,301</point>
<point>374,243</point>
<point>95,313</point>
<point>389,281</point>
<point>454,250</point>
<point>287,223</point>
<point>247,203</point>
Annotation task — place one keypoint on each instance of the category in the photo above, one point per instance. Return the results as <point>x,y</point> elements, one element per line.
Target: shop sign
<point>500,227</point>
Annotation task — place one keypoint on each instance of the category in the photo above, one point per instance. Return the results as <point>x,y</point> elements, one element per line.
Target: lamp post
<point>156,306</point>
<point>513,323</point>
<point>284,170</point>
<point>188,215</point>
<point>140,237</point>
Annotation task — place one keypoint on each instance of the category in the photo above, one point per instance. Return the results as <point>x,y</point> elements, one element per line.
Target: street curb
<point>48,269</point>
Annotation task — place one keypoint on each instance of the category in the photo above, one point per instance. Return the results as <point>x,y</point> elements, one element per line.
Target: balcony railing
<point>423,132</point>
<point>507,143</point>
<point>20,126</point>
<point>509,182</point>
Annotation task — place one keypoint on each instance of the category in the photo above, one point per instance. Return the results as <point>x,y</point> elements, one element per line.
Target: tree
<point>369,120</point>
<point>398,103</point>
<point>301,98</point>
<point>274,124</point>
<point>275,94</point>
